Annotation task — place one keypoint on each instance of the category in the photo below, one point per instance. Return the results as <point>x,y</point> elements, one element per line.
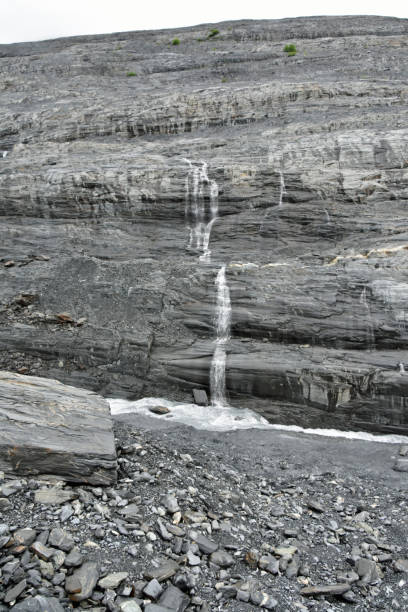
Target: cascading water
<point>213,213</point>
<point>223,326</point>
<point>201,208</point>
<point>5,153</point>
<point>221,416</point>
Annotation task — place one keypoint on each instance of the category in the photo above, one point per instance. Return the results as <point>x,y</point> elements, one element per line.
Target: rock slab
<point>47,428</point>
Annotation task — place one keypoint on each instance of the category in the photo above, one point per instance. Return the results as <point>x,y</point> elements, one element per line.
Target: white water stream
<point>201,208</point>
<point>223,325</point>
<point>228,418</point>
<point>201,211</point>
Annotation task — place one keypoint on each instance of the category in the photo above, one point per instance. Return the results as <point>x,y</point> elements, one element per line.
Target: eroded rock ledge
<point>47,428</point>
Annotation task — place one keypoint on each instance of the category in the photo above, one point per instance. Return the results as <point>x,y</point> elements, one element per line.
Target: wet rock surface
<point>98,285</point>
<point>338,542</point>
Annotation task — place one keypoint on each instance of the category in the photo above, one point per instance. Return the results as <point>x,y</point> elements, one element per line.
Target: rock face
<point>47,428</point>
<point>99,285</point>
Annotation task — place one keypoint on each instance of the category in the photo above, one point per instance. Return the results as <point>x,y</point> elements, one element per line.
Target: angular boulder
<point>47,428</point>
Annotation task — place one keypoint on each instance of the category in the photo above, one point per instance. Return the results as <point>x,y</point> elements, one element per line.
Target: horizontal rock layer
<point>93,194</point>
<point>50,429</point>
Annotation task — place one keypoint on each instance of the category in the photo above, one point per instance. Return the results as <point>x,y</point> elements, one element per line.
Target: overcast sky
<point>39,19</point>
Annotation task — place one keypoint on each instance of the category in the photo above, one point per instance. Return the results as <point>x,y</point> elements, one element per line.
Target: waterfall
<point>201,211</point>
<point>201,208</point>
<point>223,325</point>
<point>401,368</point>
<point>5,153</point>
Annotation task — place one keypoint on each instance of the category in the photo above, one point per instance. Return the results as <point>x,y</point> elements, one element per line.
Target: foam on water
<point>228,418</point>
<point>212,418</point>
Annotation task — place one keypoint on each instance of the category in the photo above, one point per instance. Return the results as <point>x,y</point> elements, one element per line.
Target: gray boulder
<point>47,428</point>
<point>39,604</point>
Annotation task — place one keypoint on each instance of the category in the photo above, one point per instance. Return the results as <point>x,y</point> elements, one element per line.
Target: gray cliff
<point>309,153</point>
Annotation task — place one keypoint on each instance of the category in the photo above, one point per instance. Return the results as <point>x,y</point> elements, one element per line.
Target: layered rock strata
<point>94,231</point>
<point>50,429</point>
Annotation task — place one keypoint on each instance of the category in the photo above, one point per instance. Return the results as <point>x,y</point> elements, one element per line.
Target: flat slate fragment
<point>15,591</point>
<point>47,428</point>
<point>44,552</point>
<point>327,589</point>
<point>39,604</point>
<point>163,572</point>
<point>174,599</point>
<point>113,580</point>
<point>200,397</point>
<point>83,581</point>
<point>53,496</point>
<point>401,465</point>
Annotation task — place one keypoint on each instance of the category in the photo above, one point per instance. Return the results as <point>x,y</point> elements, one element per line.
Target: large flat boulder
<point>47,428</point>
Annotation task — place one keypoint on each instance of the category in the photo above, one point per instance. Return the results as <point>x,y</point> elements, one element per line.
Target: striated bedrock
<point>51,429</point>
<point>98,287</point>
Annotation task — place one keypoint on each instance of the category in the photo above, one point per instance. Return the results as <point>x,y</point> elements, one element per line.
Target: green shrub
<point>213,33</point>
<point>175,41</point>
<point>131,74</point>
<point>224,80</point>
<point>290,49</point>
